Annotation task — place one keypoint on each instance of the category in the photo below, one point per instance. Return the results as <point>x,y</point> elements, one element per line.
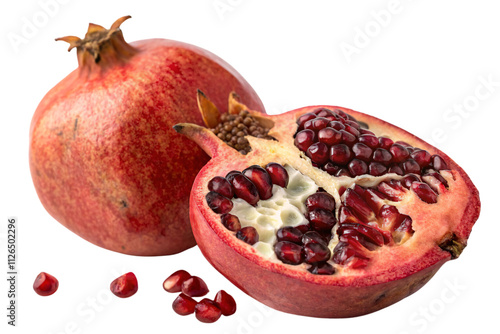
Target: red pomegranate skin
<point>104,158</point>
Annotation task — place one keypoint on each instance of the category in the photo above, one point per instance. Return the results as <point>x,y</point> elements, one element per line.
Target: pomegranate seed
<point>438,163</point>
<point>329,136</point>
<point>315,252</point>
<point>356,203</point>
<point>225,302</point>
<point>362,151</point>
<point>343,172</point>
<point>340,154</point>
<point>320,200</point>
<point>364,131</point>
<point>304,139</point>
<point>231,222</point>
<point>322,112</point>
<point>343,114</point>
<point>322,269</point>
<point>331,168</point>
<point>230,176</point>
<point>218,203</point>
<point>289,252</point>
<point>367,232</point>
<point>346,252</point>
<point>348,138</point>
<point>318,152</point>
<point>409,179</point>
<point>289,233</point>
<point>352,130</point>
<point>396,170</point>
<point>313,237</point>
<point>45,284</point>
<point>376,169</point>
<point>390,215</point>
<point>434,180</point>
<point>411,166</point>
<point>261,180</point>
<point>336,125</point>
<point>207,311</point>
<point>382,156</point>
<point>278,173</point>
<point>369,140</point>
<point>385,142</point>
<point>184,305</point>
<point>245,189</point>
<point>248,234</point>
<point>124,286</point>
<point>221,186</point>
<point>391,192</point>
<point>317,123</point>
<point>357,167</point>
<point>403,143</point>
<point>424,192</point>
<point>353,124</point>
<point>302,228</point>
<point>422,157</point>
<point>399,152</point>
<point>173,283</point>
<point>304,118</point>
<point>194,287</point>
<point>322,220</point>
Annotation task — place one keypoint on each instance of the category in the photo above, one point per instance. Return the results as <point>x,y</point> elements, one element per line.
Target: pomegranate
<point>104,159</point>
<point>330,213</point>
<point>124,286</point>
<point>45,284</point>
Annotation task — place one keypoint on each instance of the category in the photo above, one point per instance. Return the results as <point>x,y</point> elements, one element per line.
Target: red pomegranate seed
<point>207,311</point>
<point>424,192</point>
<point>358,205</point>
<point>316,252</point>
<point>353,124</point>
<point>317,123</point>
<point>245,189</point>
<point>304,139</point>
<point>369,140</point>
<point>329,136</point>
<point>322,269</point>
<point>278,174</point>
<point>336,125</point>
<point>261,179</point>
<point>230,176</point>
<point>318,152</point>
<point>370,234</point>
<point>231,222</point>
<point>343,172</point>
<point>331,168</point>
<point>382,156</point>
<point>322,220</point>
<point>352,130</point>
<point>385,142</point>
<point>218,203</point>
<point>225,302</point>
<point>288,252</point>
<point>348,138</point>
<point>340,154</point>
<point>222,186</point>
<point>411,166</point>
<point>403,143</point>
<point>184,305</point>
<point>304,118</point>
<point>422,157</point>
<point>45,284</point>
<point>194,287</point>
<point>314,237</point>
<point>367,132</point>
<point>323,111</point>
<point>124,286</point>
<point>173,283</point>
<point>248,234</point>
<point>399,152</point>
<point>409,179</point>
<point>438,163</point>
<point>289,233</point>
<point>320,200</point>
<point>362,152</point>
<point>390,191</point>
<point>396,169</point>
<point>376,169</point>
<point>357,167</point>
<point>434,179</point>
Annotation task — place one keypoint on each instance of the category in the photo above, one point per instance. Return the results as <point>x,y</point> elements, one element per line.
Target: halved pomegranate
<point>327,212</point>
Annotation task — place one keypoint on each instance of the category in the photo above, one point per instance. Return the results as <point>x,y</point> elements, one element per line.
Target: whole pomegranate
<point>328,212</point>
<point>104,159</point>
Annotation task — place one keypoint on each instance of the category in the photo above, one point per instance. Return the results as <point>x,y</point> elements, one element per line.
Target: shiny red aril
<point>231,222</point>
<point>304,139</point>
<point>278,174</point>
<point>218,203</point>
<point>318,152</point>
<point>340,154</point>
<point>304,118</point>
<point>173,283</point>
<point>45,284</point>
<point>125,286</point>
<point>245,189</point>
<point>399,152</point>
<point>261,179</point>
<point>207,311</point>
<point>184,305</point>
<point>221,186</point>
<point>317,124</point>
<point>357,167</point>
<point>322,220</point>
<point>248,234</point>
<point>320,200</point>
<point>316,252</point>
<point>194,287</point>
<point>288,252</point>
<point>313,237</point>
<point>329,136</point>
<point>289,233</point>
<point>225,302</point>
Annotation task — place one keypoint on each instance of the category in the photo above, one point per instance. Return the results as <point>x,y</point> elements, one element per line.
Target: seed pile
<point>233,128</point>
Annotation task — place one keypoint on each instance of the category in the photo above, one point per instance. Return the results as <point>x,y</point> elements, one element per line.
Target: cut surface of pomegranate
<point>349,232</point>
<point>125,286</point>
<point>45,284</point>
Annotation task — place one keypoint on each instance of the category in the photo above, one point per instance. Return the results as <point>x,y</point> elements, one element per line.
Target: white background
<point>416,67</point>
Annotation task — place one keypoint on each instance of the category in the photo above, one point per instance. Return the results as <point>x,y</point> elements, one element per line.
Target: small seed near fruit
<point>45,284</point>
<point>173,283</point>
<point>184,305</point>
<point>125,286</point>
<point>207,311</point>
<point>225,302</point>
<point>248,234</point>
<point>194,287</point>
